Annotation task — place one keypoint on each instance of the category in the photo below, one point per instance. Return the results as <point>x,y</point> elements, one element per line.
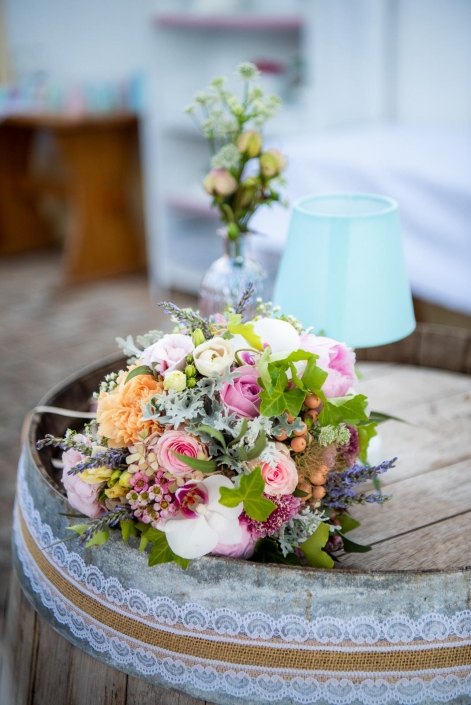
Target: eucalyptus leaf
<point>141,370</point>
<point>243,430</point>
<point>258,448</point>
<point>197,464</point>
<point>214,433</point>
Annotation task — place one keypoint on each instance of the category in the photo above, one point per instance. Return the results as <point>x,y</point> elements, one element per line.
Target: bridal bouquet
<point>226,437</point>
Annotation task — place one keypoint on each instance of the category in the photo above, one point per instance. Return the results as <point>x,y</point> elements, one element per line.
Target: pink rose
<point>281,476</point>
<point>180,442</point>
<point>337,359</point>
<point>243,396</point>
<point>169,353</point>
<point>244,549</point>
<point>82,496</point>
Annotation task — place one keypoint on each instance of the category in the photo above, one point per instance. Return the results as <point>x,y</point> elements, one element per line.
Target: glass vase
<point>229,276</point>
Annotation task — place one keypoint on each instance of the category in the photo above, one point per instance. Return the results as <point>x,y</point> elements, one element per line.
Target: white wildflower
<point>227,158</point>
<point>247,71</point>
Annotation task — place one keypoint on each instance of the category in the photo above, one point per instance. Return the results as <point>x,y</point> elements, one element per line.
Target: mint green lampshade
<point>342,270</point>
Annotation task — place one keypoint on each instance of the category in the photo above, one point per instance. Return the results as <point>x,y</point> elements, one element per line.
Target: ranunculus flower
<point>281,476</point>
<point>175,380</point>
<point>337,359</point>
<point>244,549</point>
<point>82,496</point>
<point>242,397</point>
<point>119,413</point>
<point>170,353</point>
<point>219,182</point>
<point>213,357</point>
<point>202,522</point>
<point>180,442</point>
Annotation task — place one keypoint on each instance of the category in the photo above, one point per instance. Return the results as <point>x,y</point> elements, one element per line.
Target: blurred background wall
<point>377,98</point>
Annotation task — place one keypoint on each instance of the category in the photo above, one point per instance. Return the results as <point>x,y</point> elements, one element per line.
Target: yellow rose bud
<point>272,163</point>
<point>116,491</point>
<point>175,380</point>
<point>250,143</point>
<point>93,476</point>
<point>124,479</point>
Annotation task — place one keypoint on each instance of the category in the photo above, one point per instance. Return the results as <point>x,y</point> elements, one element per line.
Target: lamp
<point>343,272</point>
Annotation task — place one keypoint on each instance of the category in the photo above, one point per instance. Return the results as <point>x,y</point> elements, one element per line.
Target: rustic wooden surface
<point>426,525</point>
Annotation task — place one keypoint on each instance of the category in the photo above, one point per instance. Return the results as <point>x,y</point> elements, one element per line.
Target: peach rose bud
<point>219,182</point>
<point>272,163</point>
<point>250,143</point>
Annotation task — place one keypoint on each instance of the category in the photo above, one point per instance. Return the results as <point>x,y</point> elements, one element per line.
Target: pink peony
<point>244,549</point>
<point>337,359</point>
<point>180,442</point>
<point>169,353</point>
<point>82,496</point>
<point>243,396</point>
<point>281,476</point>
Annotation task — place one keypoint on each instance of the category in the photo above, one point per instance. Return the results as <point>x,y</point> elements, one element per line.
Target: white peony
<point>213,357</point>
<point>203,522</point>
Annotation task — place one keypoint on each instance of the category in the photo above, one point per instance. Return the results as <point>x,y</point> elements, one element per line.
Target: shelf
<point>247,22</point>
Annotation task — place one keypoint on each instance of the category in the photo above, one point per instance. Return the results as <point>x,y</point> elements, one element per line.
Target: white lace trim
<point>225,624</point>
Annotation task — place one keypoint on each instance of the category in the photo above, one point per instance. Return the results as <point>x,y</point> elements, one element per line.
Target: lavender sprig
<point>246,296</point>
<point>65,443</point>
<point>190,318</point>
<point>108,521</point>
<point>110,458</point>
<point>341,486</point>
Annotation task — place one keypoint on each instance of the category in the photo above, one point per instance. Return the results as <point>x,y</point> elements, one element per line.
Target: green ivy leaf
<point>351,408</point>
<point>365,433</point>
<point>196,464</point>
<point>250,493</point>
<point>276,400</point>
<point>350,546</point>
<point>214,433</point>
<point>312,548</point>
<point>313,377</point>
<point>161,551</point>
<point>127,529</point>
<point>246,330</point>
<point>143,543</point>
<point>141,370</point>
<point>347,523</point>
<point>98,539</point>
<point>78,528</point>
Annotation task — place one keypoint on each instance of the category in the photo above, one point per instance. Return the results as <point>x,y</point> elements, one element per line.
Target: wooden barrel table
<point>421,545</point>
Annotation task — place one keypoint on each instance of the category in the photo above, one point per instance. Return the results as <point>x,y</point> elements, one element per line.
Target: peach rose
<point>281,477</point>
<point>119,413</point>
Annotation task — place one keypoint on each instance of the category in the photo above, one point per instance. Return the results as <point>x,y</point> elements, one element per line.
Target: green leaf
<point>78,528</point>
<point>276,401</point>
<point>246,330</point>
<point>143,543</point>
<point>350,546</point>
<point>347,523</point>
<point>377,484</point>
<point>299,493</point>
<point>196,463</point>
<point>127,529</point>
<point>214,433</point>
<point>365,433</point>
<point>312,548</point>
<point>379,417</point>
<point>250,492</point>
<point>262,366</point>
<point>141,370</point>
<point>98,539</point>
<point>161,551</point>
<point>243,430</point>
<point>259,446</point>
<point>268,551</point>
<point>350,408</point>
<point>313,377</point>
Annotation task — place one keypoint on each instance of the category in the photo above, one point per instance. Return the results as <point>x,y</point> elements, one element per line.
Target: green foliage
<point>250,493</point>
<point>350,546</point>
<point>214,433</point>
<point>128,529</point>
<point>141,370</point>
<point>365,433</point>
<point>351,409</point>
<point>268,551</point>
<point>347,523</point>
<point>99,538</point>
<point>246,330</point>
<point>312,548</point>
<point>196,464</point>
<point>379,417</point>
<point>78,528</point>
<point>258,448</point>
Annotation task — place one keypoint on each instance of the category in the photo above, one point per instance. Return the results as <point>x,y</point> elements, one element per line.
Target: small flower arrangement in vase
<point>243,177</point>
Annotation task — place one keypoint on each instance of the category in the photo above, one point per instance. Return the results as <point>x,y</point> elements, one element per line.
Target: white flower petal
<point>228,530</point>
<point>279,335</point>
<point>212,485</point>
<point>190,538</point>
